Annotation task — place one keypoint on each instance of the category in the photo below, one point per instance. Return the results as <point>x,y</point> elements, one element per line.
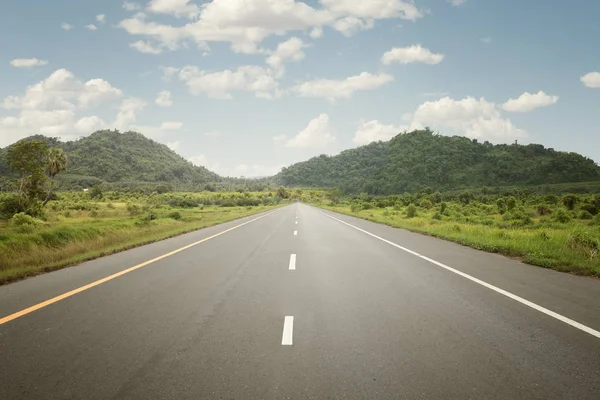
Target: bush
<point>569,201</point>
<point>437,216</point>
<point>176,215</point>
<point>133,209</point>
<point>562,216</point>
<point>585,215</point>
<point>9,206</point>
<point>94,214</point>
<point>96,192</point>
<point>543,209</point>
<point>426,204</point>
<point>111,206</point>
<point>443,207</point>
<point>511,203</point>
<point>25,223</point>
<point>411,211</point>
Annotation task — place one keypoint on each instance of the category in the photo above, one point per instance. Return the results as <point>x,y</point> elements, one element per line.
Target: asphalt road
<point>351,316</point>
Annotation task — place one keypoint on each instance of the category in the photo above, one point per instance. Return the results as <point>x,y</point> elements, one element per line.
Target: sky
<point>245,87</point>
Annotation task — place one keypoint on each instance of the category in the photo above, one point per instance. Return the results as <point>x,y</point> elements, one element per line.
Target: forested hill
<point>419,159</point>
<point>110,156</point>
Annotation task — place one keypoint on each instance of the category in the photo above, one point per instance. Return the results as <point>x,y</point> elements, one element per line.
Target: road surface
<point>301,303</point>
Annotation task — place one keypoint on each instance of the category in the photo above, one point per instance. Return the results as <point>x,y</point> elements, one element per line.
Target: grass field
<point>561,234</point>
<point>76,228</point>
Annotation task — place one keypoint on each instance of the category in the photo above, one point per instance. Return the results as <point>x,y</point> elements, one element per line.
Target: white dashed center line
<point>288,331</point>
<point>295,233</point>
<point>292,262</point>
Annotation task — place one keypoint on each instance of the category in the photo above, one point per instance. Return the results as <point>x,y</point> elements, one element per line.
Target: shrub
<point>94,214</point>
<point>511,203</point>
<point>543,209</point>
<point>437,216</point>
<point>562,216</point>
<point>111,206</point>
<point>25,223</point>
<point>133,209</point>
<point>176,215</point>
<point>569,201</point>
<point>443,207</point>
<point>411,211</point>
<point>585,215</point>
<point>590,208</point>
<point>9,206</point>
<point>426,204</point>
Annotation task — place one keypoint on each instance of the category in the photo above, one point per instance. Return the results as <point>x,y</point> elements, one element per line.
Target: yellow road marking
<point>63,296</point>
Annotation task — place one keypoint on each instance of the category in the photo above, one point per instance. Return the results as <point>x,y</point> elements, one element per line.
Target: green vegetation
<point>75,227</point>
<point>561,233</point>
<point>412,161</point>
<point>124,160</point>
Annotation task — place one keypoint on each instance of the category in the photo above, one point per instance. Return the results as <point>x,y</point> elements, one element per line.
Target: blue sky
<point>247,86</point>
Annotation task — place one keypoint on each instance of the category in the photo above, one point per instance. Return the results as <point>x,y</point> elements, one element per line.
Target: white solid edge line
<point>288,331</point>
<point>496,289</point>
<point>295,233</point>
<point>292,262</point>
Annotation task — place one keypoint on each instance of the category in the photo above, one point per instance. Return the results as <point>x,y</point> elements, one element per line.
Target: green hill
<point>419,159</point>
<point>130,157</point>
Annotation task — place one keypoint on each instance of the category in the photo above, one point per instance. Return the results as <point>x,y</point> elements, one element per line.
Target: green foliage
<point>28,159</point>
<point>419,159</point>
<point>411,211</point>
<point>96,192</point>
<point>584,242</point>
<point>562,216</point>
<point>443,207</point>
<point>25,223</point>
<point>176,215</point>
<point>511,203</point>
<point>585,215</point>
<point>569,201</point>
<point>544,209</point>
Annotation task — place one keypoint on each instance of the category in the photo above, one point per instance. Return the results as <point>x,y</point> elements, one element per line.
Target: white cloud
<point>27,62</point>
<point>101,18</point>
<point>478,119</point>
<point>127,113</point>
<point>199,160</point>
<point>291,49</point>
<point>218,85</point>
<point>373,131</point>
<point>591,80</point>
<point>378,9</point>
<point>174,145</point>
<point>316,135</point>
<point>457,3</point>
<point>130,6</point>
<point>164,99</point>
<point>529,101</point>
<point>411,54</point>
<point>146,47</point>
<point>212,134</point>
<point>91,27</point>
<point>486,40</point>
<point>51,107</point>
<point>246,23</point>
<point>177,8</point>
<point>341,89</point>
<point>91,124</point>
<point>435,94</point>
<point>66,26</point>
<point>59,90</point>
<point>171,125</point>
<point>350,25</point>
<point>316,32</point>
<point>168,73</point>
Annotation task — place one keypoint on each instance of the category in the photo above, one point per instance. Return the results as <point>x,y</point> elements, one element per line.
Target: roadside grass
<point>568,247</point>
<point>70,237</point>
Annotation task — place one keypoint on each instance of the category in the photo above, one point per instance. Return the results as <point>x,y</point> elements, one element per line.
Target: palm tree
<point>57,163</point>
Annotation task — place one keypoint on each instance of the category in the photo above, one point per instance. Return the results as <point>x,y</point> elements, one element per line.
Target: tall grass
<point>569,247</point>
<point>74,230</point>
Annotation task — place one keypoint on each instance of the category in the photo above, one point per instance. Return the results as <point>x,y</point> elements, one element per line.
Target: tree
<point>28,159</point>
<point>56,163</point>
